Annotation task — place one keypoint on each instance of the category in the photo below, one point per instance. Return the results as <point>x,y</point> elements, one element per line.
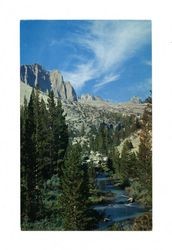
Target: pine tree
<point>52,115</point>
<point>44,138</point>
<point>102,138</point>
<point>62,138</point>
<point>31,159</point>
<point>31,170</point>
<point>58,135</point>
<point>42,143</point>
<point>116,138</point>
<point>23,174</point>
<point>92,177</point>
<point>114,156</point>
<point>128,161</point>
<point>74,191</point>
<point>145,153</point>
<point>39,151</point>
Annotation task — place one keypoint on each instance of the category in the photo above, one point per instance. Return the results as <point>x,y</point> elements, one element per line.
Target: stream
<point>118,208</point>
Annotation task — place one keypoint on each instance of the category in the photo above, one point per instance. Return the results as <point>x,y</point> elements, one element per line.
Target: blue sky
<point>111,59</point>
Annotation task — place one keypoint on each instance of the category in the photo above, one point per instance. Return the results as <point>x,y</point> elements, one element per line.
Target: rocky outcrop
<point>34,75</point>
<point>135,99</point>
<point>70,92</point>
<point>57,84</point>
<point>60,88</point>
<point>88,98</point>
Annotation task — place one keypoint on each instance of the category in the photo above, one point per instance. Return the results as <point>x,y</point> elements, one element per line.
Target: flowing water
<point>118,208</point>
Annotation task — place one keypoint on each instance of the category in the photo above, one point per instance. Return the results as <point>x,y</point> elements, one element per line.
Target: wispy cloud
<point>82,74</point>
<point>107,79</point>
<point>114,42</point>
<point>111,44</point>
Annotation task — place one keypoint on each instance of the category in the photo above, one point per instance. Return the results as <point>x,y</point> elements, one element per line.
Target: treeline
<point>54,181</point>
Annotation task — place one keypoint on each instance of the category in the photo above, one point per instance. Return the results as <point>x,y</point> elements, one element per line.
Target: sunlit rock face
<point>35,75</point>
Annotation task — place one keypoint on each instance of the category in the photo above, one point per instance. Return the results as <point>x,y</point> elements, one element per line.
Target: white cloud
<point>80,75</point>
<point>106,79</point>
<point>111,43</point>
<point>114,42</point>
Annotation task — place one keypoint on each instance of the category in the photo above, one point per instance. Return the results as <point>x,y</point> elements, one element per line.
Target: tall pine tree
<point>145,153</point>
<point>73,201</point>
<point>32,171</point>
<point>114,156</point>
<point>58,135</point>
<point>127,162</point>
<point>23,172</point>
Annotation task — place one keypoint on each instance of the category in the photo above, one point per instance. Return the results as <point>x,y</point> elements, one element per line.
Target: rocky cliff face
<point>90,98</point>
<point>70,92</point>
<point>35,75</point>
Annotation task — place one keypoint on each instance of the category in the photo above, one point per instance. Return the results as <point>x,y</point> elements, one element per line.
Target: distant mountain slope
<point>88,113</point>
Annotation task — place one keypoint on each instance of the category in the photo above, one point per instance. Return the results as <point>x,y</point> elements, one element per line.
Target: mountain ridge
<point>35,74</point>
<point>89,114</point>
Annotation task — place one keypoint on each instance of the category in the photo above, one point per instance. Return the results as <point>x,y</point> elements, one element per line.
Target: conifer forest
<point>65,183</point>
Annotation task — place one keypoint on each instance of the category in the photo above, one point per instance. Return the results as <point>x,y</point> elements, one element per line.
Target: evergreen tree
<point>43,157</point>
<point>39,150</point>
<point>114,156</point>
<point>58,135</point>
<point>92,177</point>
<point>23,174</point>
<point>145,153</point>
<point>62,137</point>
<point>101,139</point>
<point>31,168</point>
<point>31,158</point>
<point>73,201</point>
<point>128,162</point>
<point>44,138</point>
<point>52,144</point>
<point>149,98</point>
<point>116,138</point>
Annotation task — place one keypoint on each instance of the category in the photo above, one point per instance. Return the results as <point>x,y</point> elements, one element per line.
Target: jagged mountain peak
<point>35,74</point>
<point>89,97</point>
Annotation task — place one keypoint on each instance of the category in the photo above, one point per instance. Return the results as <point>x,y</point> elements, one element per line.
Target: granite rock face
<point>88,98</point>
<point>34,75</point>
<point>70,92</point>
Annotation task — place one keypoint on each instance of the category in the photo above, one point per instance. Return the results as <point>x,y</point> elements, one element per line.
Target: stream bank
<point>118,207</point>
